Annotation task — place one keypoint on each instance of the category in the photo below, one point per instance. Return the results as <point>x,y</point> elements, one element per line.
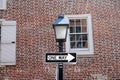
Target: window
<point>2,4</point>
<point>79,38</point>
<point>78,33</point>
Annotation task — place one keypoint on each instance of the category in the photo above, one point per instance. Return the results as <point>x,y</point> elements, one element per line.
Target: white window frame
<point>82,51</point>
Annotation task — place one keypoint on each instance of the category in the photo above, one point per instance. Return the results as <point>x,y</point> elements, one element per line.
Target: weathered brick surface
<point>35,37</point>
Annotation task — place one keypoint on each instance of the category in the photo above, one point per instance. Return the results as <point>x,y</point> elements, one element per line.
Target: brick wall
<point>35,37</point>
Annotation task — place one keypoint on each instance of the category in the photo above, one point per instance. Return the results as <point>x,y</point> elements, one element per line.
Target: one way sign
<point>61,57</point>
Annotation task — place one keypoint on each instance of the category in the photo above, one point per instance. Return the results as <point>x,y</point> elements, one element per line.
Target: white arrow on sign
<point>70,57</point>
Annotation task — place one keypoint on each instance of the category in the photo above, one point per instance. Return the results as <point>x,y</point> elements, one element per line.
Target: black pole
<point>60,70</point>
<point>60,65</point>
<point>60,46</point>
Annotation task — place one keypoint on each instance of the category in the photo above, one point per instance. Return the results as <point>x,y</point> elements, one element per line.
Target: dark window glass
<point>72,29</point>
<point>72,37</point>
<point>72,44</point>
<point>78,37</point>
<point>84,29</point>
<point>78,29</point>
<point>72,22</point>
<point>77,21</point>
<point>78,33</point>
<point>84,36</point>
<point>84,22</point>
<point>85,44</point>
<point>79,45</point>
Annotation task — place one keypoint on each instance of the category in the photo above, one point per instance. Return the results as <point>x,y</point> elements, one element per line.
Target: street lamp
<point>60,27</point>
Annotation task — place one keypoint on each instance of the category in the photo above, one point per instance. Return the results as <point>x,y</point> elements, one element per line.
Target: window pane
<point>78,29</point>
<point>77,21</point>
<point>72,44</point>
<point>85,44</point>
<point>72,29</point>
<point>79,45</point>
<point>78,36</point>
<point>72,37</point>
<point>84,29</point>
<point>71,22</point>
<point>84,22</point>
<point>78,33</point>
<point>84,36</point>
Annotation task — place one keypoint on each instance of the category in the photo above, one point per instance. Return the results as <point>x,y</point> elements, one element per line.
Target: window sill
<point>2,20</point>
<point>82,52</point>
<point>85,55</point>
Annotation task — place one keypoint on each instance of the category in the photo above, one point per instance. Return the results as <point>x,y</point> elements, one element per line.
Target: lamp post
<point>60,27</point>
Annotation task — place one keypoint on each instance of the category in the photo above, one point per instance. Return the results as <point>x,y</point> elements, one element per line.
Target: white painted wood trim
<point>8,26</point>
<point>90,50</point>
<point>8,23</point>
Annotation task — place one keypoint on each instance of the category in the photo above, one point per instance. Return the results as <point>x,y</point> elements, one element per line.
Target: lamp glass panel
<point>60,32</point>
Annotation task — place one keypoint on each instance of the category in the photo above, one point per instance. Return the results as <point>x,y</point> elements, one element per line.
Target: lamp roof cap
<point>61,20</point>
